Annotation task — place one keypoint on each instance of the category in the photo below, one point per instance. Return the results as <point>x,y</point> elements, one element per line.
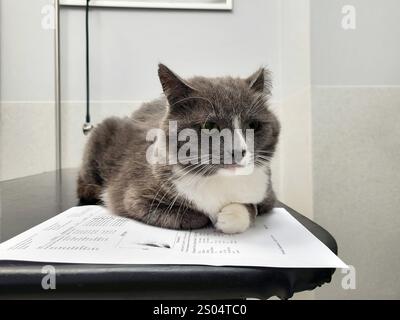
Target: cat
<point>117,173</point>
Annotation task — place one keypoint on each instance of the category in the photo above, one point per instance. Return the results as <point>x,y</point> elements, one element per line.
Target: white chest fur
<point>211,194</point>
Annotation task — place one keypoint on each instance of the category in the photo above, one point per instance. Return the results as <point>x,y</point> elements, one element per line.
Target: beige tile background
<point>356,157</point>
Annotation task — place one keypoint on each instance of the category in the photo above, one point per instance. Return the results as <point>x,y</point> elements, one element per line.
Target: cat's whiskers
<point>150,211</point>
<point>178,212</point>
<point>194,180</point>
<point>170,179</point>
<point>262,158</point>
<point>169,208</point>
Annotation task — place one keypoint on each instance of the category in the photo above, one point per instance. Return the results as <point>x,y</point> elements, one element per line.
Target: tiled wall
<point>356,145</point>
<point>27,138</point>
<point>295,107</point>
<point>356,161</point>
<point>27,134</point>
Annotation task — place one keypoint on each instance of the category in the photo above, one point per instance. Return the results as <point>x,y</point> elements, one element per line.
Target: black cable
<point>87,126</point>
<point>87,65</point>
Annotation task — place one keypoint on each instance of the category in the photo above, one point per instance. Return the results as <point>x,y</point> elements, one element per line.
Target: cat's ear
<point>174,87</point>
<point>260,81</point>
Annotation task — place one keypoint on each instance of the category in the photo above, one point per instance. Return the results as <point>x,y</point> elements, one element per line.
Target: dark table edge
<point>26,274</point>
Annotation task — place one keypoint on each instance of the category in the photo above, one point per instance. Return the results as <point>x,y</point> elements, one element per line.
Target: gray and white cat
<point>116,172</point>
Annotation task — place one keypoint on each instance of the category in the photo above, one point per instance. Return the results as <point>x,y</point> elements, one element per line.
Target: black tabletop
<point>26,202</point>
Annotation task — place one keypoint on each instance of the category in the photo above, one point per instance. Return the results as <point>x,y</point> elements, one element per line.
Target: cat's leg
<point>166,214</point>
<point>235,217</point>
<point>90,180</point>
<point>177,217</point>
<point>267,204</point>
<point>88,190</point>
<point>101,156</point>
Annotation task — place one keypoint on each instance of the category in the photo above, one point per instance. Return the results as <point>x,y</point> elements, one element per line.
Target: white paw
<point>234,218</point>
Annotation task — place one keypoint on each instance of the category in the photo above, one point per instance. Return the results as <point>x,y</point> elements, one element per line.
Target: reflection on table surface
<point>26,202</point>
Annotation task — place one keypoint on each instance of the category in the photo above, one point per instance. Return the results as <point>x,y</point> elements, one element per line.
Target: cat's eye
<point>254,125</point>
<point>209,125</point>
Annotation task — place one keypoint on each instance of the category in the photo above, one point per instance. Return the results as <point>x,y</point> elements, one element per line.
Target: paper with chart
<point>91,234</point>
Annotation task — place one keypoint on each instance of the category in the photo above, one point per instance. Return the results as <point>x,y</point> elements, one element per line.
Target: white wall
<point>26,52</point>
<point>127,45</point>
<point>366,56</point>
<point>295,106</point>
<point>26,90</point>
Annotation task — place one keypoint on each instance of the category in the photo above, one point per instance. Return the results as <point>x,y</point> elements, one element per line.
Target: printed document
<point>91,234</point>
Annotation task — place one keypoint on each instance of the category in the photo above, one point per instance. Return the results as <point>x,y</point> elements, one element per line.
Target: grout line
<point>355,86</point>
<point>26,101</point>
<point>73,101</point>
<point>94,101</point>
<point>277,100</point>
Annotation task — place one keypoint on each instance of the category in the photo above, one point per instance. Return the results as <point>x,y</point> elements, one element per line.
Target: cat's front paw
<point>234,218</point>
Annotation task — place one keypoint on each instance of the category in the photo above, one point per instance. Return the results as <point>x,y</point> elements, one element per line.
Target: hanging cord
<point>87,127</point>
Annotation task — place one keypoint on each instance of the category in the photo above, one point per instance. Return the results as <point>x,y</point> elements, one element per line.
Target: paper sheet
<point>91,234</point>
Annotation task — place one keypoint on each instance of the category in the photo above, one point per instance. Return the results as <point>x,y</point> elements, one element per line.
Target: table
<point>27,201</point>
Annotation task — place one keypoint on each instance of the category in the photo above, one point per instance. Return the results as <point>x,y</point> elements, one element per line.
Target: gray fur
<point>115,165</point>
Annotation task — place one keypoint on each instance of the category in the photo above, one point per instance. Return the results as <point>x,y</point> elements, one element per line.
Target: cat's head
<point>233,111</point>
